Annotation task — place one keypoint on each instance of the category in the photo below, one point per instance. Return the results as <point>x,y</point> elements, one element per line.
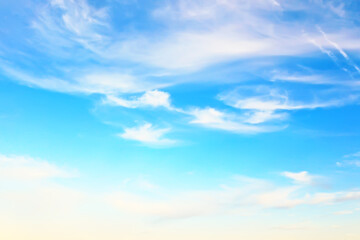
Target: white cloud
<point>147,134</point>
<point>350,160</point>
<point>301,177</point>
<point>201,10</point>
<point>263,104</point>
<point>279,198</point>
<point>153,98</point>
<point>27,168</point>
<point>223,31</point>
<point>108,83</point>
<point>241,196</point>
<point>303,78</point>
<point>256,117</point>
<point>41,200</point>
<point>77,22</point>
<point>326,47</point>
<point>357,154</point>
<point>212,118</point>
<point>28,188</point>
<point>220,31</point>
<point>344,212</point>
<point>267,99</point>
<point>355,163</point>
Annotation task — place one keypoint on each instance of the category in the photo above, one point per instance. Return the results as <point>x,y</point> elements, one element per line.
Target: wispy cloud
<point>148,135</point>
<point>352,155</point>
<point>352,159</point>
<point>266,104</point>
<point>242,194</point>
<point>107,83</point>
<point>344,212</point>
<point>67,23</point>
<point>27,168</point>
<point>302,177</point>
<point>212,118</point>
<point>340,50</point>
<point>355,163</point>
<point>35,187</point>
<point>226,33</point>
<point>153,98</point>
<point>263,98</point>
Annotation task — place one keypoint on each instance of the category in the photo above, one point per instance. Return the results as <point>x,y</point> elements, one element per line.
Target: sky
<point>179,119</point>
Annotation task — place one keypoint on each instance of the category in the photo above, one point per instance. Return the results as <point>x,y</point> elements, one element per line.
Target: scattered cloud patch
<point>262,104</point>
<point>353,155</point>
<point>345,212</point>
<point>244,194</point>
<point>153,98</point>
<point>27,168</point>
<point>148,135</point>
<point>301,177</point>
<point>350,160</point>
<point>263,98</point>
<point>212,118</point>
<point>354,163</point>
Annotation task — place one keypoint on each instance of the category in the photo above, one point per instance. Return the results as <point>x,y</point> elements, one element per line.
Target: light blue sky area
<point>186,95</point>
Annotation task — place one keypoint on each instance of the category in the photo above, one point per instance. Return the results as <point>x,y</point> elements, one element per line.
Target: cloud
<point>357,154</point>
<point>350,160</point>
<point>201,10</point>
<point>345,212</point>
<point>242,195</point>
<point>203,33</point>
<point>263,98</point>
<point>107,83</point>
<point>68,23</point>
<point>27,168</point>
<point>29,188</point>
<point>256,117</point>
<point>340,50</point>
<point>153,98</point>
<point>40,200</point>
<point>212,118</point>
<point>301,177</point>
<point>148,135</point>
<point>263,104</point>
<point>355,163</point>
<point>304,78</point>
<point>198,33</point>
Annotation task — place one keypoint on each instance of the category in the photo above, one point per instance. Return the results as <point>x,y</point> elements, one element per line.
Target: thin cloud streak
<point>245,194</point>
<point>148,135</point>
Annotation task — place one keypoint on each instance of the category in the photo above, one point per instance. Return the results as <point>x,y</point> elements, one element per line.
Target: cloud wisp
<point>303,178</point>
<point>148,135</point>
<point>212,118</point>
<point>27,168</point>
<point>245,193</point>
<point>350,160</point>
<point>153,98</point>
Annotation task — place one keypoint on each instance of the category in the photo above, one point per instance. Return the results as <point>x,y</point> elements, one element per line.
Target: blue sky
<point>158,116</point>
